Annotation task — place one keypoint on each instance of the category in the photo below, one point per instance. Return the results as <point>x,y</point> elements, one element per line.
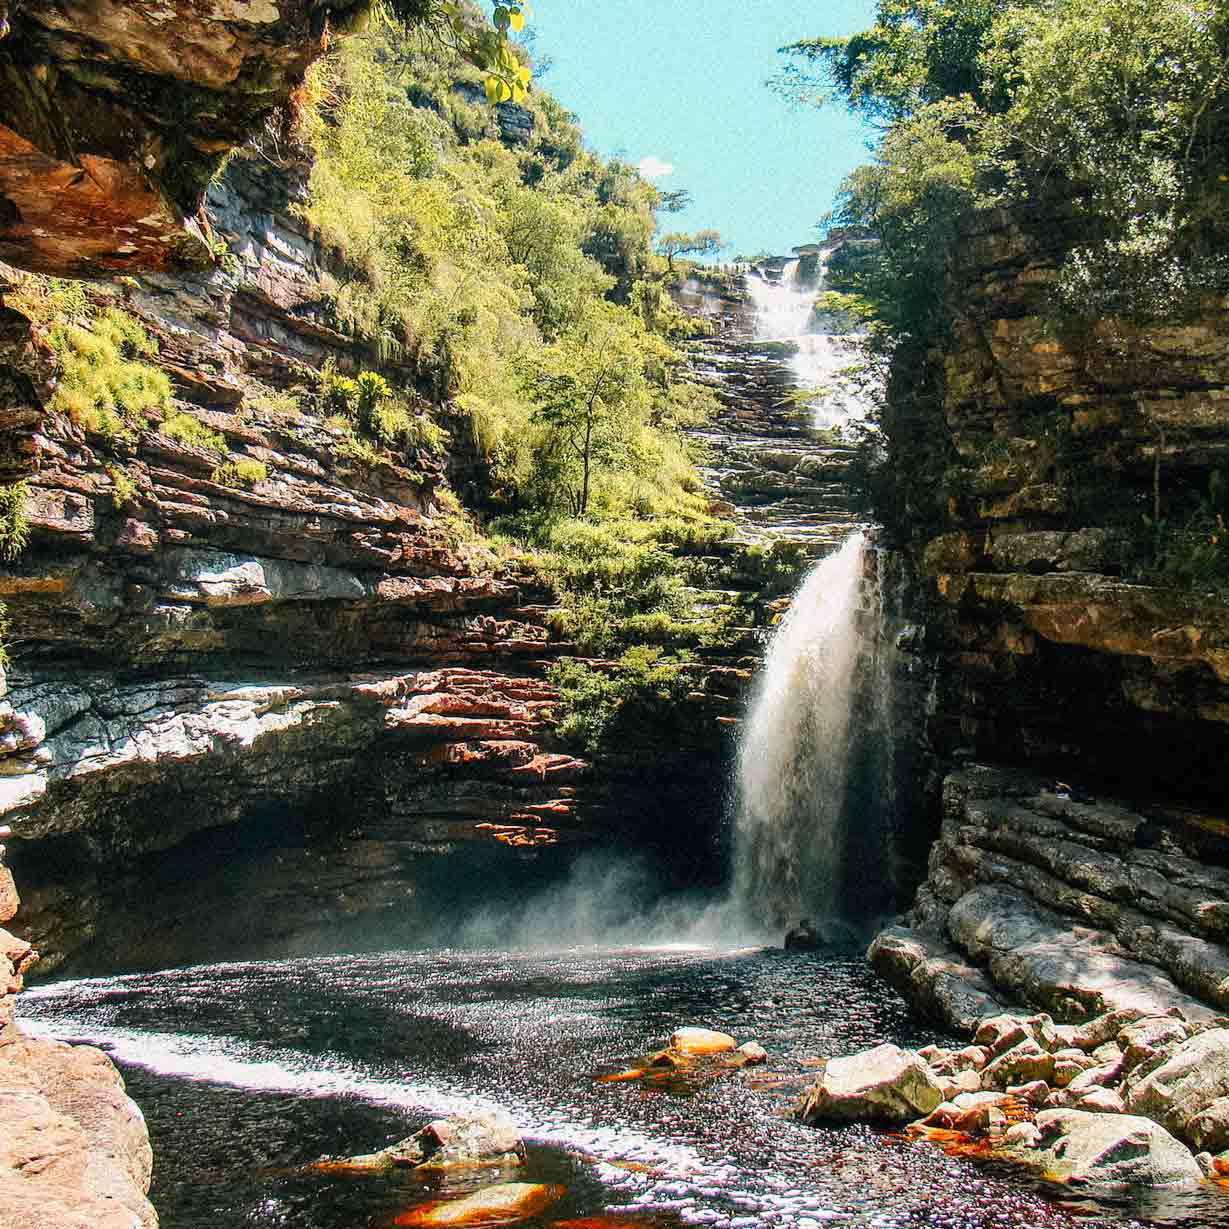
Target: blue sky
<point>683,82</point>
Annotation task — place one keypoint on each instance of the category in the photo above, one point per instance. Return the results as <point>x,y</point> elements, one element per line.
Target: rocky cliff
<point>1077,635</point>
<point>324,680</point>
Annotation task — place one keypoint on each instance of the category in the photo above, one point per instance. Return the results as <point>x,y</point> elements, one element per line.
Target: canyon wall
<point>1070,643</point>
<point>256,713</point>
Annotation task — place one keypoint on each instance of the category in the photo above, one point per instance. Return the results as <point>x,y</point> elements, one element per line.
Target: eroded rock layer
<point>1074,606</point>
<point>1077,905</point>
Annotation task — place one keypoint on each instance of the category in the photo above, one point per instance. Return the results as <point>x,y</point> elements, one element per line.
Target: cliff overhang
<point>114,116</point>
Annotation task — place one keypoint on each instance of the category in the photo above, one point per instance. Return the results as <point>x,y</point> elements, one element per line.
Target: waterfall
<point>815,767</point>
<point>825,354</point>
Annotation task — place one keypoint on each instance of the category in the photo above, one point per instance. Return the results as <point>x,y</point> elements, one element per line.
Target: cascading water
<point>825,353</point>
<point>815,771</point>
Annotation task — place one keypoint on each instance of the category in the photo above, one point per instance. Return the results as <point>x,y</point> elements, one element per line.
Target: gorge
<point>448,647</point>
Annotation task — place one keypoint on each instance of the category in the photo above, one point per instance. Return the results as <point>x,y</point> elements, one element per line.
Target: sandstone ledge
<point>1075,907</point>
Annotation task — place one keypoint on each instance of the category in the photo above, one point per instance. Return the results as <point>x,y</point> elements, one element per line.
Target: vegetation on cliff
<point>515,272</point>
<point>1098,127</point>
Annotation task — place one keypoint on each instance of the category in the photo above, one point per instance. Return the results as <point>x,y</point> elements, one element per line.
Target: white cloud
<point>654,168</point>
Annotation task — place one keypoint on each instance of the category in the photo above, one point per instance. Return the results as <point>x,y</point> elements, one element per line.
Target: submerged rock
<point>1104,1150</point>
<point>699,1041</point>
<point>803,938</point>
<point>477,1137</point>
<point>494,1205</point>
<point>886,1084</point>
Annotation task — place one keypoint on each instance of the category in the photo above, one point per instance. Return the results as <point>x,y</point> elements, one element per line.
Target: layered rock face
<point>113,116</point>
<point>1081,907</point>
<point>321,682</point>
<point>327,644</point>
<point>1064,442</point>
<point>1051,655</point>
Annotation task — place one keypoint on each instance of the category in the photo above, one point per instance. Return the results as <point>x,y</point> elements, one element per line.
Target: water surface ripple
<point>248,1071</point>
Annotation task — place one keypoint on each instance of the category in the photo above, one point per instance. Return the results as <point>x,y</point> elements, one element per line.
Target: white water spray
<point>815,763</point>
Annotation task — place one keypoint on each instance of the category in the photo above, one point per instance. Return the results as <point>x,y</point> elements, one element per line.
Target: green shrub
<point>241,472</point>
<point>14,528</point>
<point>123,489</point>
<point>104,384</point>
<point>643,686</point>
<point>192,432</point>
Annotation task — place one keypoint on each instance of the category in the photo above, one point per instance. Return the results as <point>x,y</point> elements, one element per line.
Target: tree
<point>674,201</point>
<point>589,391</point>
<point>459,26</point>
<point>702,243</point>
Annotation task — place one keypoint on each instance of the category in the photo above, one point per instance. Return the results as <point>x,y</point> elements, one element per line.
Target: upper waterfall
<point>824,359</point>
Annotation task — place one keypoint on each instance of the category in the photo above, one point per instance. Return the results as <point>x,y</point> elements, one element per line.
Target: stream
<point>248,1072</point>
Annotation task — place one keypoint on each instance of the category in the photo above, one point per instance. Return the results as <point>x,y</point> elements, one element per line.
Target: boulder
<point>1034,1093</point>
<point>472,1138</point>
<point>1140,1040</point>
<point>962,1081</point>
<point>753,1053</point>
<point>1101,1101</point>
<point>700,1041</point>
<point>933,976</point>
<point>886,1084</point>
<point>74,1151</point>
<point>1022,1064</point>
<point>1105,1150</point>
<point>970,1112</point>
<point>953,1062</point>
<point>1186,1093</point>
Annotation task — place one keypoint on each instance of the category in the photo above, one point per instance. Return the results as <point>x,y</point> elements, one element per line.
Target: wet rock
<point>804,937</point>
<point>477,1137</point>
<point>694,1042</point>
<point>969,1113</point>
<point>1033,1093</point>
<point>1105,1150</point>
<point>1188,1093</point>
<point>1022,1134</point>
<point>502,1204</point>
<point>753,1052</point>
<point>886,1084</point>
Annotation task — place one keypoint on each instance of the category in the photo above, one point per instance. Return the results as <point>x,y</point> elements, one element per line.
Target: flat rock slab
<point>1041,957</point>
